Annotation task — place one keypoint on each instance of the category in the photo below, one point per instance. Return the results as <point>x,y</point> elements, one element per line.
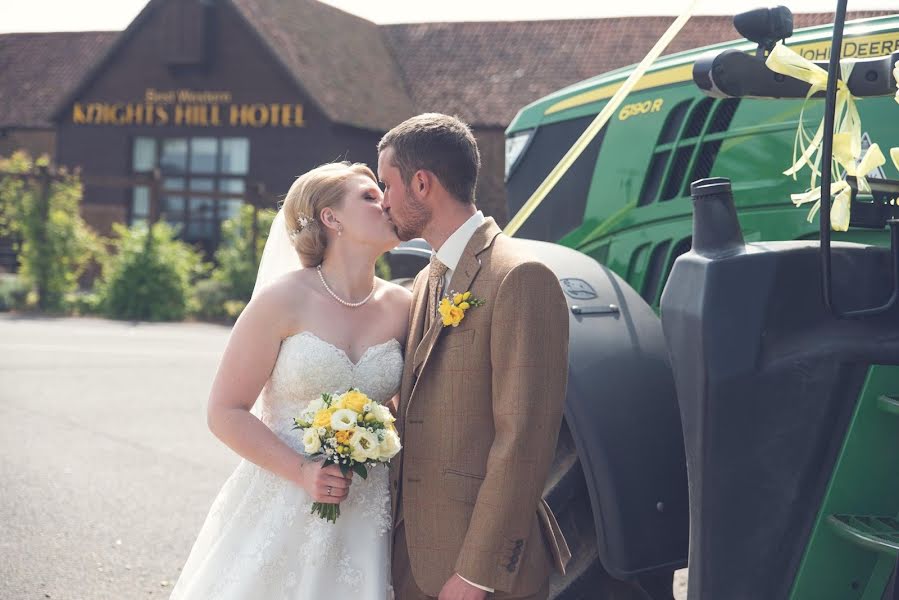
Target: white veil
<point>278,256</point>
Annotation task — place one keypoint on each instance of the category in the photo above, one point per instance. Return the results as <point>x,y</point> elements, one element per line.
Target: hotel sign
<point>188,108</point>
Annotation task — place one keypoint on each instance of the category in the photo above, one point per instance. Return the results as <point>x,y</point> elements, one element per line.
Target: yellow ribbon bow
<point>847,138</point>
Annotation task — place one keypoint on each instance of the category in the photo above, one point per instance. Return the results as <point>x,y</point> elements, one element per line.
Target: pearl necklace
<point>338,298</point>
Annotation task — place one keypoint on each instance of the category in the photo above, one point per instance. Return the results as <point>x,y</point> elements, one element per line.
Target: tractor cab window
<point>562,210</point>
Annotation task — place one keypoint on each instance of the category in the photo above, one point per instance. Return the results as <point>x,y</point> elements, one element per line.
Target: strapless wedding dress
<point>259,541</point>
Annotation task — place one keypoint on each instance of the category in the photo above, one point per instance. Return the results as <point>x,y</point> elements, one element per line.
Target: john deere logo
<point>578,289</point>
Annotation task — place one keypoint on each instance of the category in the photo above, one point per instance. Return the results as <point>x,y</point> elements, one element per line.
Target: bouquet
<point>349,430</point>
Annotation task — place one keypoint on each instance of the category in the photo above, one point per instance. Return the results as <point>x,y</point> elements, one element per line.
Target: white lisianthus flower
<point>316,405</point>
<point>365,446</point>
<point>382,413</point>
<point>390,445</point>
<point>343,418</point>
<point>311,442</point>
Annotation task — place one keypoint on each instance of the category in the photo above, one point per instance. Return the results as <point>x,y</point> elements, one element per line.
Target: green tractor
<point>754,428</point>
<point>625,201</point>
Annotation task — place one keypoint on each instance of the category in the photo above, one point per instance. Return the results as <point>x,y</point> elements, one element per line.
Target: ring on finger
<point>329,490</point>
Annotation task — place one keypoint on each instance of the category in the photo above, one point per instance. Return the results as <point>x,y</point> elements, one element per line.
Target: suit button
<point>395,485</point>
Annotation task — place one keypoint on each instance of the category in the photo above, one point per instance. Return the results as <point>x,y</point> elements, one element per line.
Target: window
<point>196,172</point>
<point>562,211</point>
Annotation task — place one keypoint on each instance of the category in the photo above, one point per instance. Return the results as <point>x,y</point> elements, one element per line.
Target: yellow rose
<point>457,299</point>
<point>322,418</point>
<point>355,400</point>
<point>343,437</point>
<point>339,402</point>
<point>453,316</point>
<point>444,308</point>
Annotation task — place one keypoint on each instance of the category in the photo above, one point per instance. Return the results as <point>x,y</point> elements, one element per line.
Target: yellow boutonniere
<point>453,307</point>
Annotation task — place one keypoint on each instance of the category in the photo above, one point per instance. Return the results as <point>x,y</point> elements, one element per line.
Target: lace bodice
<point>307,366</point>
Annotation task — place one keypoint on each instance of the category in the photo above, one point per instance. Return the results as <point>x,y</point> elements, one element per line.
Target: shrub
<point>224,295</point>
<point>236,257</point>
<point>83,303</point>
<point>150,278</point>
<point>13,292</point>
<point>56,244</point>
<point>211,296</point>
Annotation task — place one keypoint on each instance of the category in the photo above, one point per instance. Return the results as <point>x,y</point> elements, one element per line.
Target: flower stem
<point>329,512</point>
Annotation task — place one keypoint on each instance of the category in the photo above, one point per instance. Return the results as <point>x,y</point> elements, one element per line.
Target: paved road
<point>106,465</point>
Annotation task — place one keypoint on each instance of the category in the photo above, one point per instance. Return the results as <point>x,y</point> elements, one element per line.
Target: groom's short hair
<point>441,144</point>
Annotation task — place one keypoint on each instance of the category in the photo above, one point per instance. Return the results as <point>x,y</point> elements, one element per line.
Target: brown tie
<point>435,287</point>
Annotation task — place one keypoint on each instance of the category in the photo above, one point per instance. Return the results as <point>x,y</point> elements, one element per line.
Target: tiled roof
<point>38,69</point>
<point>341,60</point>
<point>485,71</point>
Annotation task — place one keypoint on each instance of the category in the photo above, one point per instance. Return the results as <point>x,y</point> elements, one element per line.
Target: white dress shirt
<point>449,254</point>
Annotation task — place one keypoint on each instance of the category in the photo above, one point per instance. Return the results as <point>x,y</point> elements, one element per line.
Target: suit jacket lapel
<point>463,275</point>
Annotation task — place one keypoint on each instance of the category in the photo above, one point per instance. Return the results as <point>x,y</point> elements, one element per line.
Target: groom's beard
<point>416,217</point>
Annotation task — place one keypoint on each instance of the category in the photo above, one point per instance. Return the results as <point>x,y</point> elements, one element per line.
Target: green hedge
<point>151,279</point>
<point>56,244</point>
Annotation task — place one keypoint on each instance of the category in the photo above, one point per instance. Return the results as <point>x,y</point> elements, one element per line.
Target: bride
<point>324,328</point>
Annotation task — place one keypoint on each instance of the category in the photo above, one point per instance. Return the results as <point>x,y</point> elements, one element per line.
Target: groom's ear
<point>422,182</point>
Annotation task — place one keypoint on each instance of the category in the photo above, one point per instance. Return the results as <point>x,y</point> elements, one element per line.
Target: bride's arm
<point>243,371</point>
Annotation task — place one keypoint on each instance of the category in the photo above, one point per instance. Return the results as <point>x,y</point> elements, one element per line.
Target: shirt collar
<point>451,251</point>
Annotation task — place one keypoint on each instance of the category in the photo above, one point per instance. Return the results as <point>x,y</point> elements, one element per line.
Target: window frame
<point>219,177</point>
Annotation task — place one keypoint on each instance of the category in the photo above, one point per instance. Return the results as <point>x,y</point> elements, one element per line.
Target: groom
<point>483,388</point>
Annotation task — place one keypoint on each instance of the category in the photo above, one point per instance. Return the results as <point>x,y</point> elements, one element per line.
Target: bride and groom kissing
<point>473,362</point>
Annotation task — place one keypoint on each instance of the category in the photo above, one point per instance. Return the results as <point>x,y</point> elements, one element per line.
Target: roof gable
<point>341,60</point>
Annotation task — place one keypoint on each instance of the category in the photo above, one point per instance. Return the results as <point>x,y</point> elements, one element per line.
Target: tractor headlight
<point>515,145</point>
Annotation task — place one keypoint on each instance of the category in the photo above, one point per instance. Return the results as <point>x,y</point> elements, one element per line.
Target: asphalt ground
<point>106,465</point>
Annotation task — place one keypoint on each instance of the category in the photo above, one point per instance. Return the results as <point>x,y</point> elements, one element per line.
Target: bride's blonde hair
<point>310,194</point>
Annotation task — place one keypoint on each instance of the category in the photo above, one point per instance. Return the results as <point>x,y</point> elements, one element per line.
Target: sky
<point>93,15</point>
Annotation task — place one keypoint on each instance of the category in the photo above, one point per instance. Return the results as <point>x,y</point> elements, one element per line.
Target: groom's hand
<point>458,589</point>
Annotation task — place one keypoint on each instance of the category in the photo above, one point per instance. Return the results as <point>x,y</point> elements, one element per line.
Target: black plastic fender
<point>623,415</point>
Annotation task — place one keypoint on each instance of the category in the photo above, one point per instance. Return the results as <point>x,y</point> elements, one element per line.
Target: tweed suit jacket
<point>480,411</point>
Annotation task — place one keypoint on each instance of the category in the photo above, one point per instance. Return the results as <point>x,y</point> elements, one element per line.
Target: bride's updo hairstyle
<point>310,194</point>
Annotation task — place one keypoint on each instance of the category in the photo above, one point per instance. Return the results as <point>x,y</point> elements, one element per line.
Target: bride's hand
<point>327,485</point>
